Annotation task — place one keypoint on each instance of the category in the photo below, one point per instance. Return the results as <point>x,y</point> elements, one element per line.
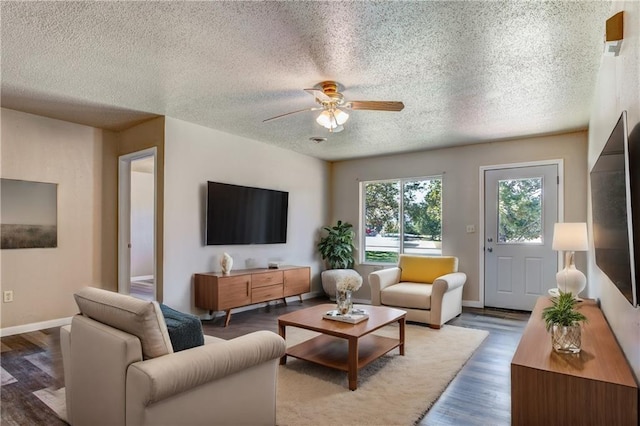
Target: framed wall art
<point>28,214</point>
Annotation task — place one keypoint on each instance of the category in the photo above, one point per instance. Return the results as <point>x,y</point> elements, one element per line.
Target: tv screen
<point>612,212</point>
<point>245,215</point>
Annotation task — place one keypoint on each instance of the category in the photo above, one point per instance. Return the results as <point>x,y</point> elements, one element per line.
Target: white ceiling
<point>467,72</point>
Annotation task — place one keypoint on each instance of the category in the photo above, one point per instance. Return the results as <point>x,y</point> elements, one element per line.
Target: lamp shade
<point>331,119</point>
<point>570,236</point>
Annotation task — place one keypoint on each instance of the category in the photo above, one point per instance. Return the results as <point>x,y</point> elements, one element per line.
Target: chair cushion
<point>407,295</point>
<point>141,318</point>
<point>185,330</point>
<point>425,269</point>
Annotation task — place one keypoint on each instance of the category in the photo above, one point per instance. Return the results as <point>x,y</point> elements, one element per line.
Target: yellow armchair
<point>429,288</point>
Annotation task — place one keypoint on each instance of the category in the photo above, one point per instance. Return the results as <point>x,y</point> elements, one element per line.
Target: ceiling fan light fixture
<point>331,119</point>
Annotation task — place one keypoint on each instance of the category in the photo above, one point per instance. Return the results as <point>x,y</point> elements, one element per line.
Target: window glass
<point>520,211</point>
<point>393,224</point>
<point>382,217</point>
<point>422,217</point>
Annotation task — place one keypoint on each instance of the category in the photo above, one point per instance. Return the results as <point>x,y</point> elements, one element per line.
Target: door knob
<point>490,249</point>
<point>490,239</point>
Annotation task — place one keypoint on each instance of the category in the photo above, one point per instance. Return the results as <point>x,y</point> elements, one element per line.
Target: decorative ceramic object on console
<point>570,237</point>
<point>226,263</point>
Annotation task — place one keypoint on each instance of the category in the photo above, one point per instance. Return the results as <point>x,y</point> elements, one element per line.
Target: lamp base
<point>571,280</point>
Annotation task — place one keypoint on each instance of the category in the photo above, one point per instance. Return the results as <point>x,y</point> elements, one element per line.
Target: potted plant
<point>336,248</point>
<point>563,321</point>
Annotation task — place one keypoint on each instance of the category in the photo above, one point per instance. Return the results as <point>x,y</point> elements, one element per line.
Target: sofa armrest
<point>446,297</point>
<point>378,280</point>
<point>165,376</point>
<point>65,350</point>
<point>449,282</point>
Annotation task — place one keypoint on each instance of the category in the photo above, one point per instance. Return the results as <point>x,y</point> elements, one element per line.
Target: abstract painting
<point>28,214</point>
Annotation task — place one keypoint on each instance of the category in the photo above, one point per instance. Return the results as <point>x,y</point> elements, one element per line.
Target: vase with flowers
<point>344,288</point>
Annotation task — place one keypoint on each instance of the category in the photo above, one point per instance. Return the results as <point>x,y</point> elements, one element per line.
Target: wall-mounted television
<point>614,199</point>
<point>245,215</point>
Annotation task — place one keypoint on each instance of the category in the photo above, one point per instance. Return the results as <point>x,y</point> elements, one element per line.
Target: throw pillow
<point>425,269</point>
<point>185,330</point>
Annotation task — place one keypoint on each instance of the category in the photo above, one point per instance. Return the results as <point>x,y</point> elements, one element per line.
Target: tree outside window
<point>402,216</point>
<point>520,211</point>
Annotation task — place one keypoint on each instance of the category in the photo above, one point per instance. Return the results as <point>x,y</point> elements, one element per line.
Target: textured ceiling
<point>467,72</point>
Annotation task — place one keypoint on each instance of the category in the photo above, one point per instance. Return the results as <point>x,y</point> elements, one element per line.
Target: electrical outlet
<point>7,296</point>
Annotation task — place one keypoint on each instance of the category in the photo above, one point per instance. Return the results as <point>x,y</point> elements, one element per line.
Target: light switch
<point>471,229</point>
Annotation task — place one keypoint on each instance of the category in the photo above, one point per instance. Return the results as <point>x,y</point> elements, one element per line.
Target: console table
<point>218,292</point>
<point>594,387</point>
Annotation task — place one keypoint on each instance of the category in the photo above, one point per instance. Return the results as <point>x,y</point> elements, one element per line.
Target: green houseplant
<point>563,320</point>
<point>336,246</point>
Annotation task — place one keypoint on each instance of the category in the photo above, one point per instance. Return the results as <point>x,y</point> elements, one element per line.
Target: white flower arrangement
<point>349,283</point>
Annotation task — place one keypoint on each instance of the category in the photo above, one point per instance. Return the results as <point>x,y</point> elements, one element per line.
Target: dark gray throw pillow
<point>185,330</point>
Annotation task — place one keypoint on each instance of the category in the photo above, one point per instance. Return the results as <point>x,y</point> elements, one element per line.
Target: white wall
<point>73,156</point>
<point>460,168</point>
<point>195,155</point>
<point>142,242</point>
<point>617,89</point>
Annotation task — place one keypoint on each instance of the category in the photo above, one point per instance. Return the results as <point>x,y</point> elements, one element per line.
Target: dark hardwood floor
<point>479,395</point>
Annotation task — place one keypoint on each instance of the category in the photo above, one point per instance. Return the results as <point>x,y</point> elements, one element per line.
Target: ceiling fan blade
<point>319,95</point>
<point>375,105</point>
<point>290,113</point>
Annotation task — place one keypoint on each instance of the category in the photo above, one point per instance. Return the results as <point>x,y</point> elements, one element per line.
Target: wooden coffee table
<point>343,346</point>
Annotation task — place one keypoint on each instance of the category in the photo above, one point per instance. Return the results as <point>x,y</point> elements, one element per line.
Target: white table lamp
<point>570,237</point>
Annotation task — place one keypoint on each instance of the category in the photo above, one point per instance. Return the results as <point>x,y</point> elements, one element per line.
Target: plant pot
<point>330,278</point>
<point>566,339</point>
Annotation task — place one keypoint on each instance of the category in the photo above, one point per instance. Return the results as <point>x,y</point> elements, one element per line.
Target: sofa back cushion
<point>425,269</point>
<point>141,318</point>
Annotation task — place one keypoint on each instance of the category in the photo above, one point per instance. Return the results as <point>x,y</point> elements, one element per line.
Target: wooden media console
<point>217,292</point>
<point>594,387</point>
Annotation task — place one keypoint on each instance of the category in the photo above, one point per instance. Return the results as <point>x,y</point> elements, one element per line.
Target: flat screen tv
<point>613,198</point>
<point>245,215</point>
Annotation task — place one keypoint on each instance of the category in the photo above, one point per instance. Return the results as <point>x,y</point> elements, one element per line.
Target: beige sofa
<point>120,369</point>
<point>429,288</point>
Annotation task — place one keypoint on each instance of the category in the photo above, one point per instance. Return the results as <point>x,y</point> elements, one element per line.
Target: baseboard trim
<point>472,304</point>
<point>26,328</point>
<point>142,277</point>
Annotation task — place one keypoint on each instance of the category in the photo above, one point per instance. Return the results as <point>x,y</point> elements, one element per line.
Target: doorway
<point>137,224</point>
<point>521,205</point>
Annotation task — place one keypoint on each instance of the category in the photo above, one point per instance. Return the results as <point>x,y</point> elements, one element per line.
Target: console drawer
<point>262,294</point>
<point>266,279</point>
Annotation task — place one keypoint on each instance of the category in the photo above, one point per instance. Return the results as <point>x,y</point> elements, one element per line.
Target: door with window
<point>521,207</point>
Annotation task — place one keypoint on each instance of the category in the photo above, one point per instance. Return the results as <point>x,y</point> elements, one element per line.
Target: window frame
<point>363,222</point>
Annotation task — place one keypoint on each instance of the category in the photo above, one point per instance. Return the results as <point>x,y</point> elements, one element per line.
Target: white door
<point>521,207</point>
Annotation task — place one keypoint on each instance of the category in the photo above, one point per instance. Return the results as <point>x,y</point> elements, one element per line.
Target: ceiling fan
<point>331,100</point>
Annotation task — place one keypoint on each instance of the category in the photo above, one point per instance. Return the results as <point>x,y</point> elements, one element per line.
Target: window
<point>401,216</point>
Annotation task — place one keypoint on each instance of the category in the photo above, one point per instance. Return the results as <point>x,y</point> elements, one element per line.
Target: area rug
<point>394,390</point>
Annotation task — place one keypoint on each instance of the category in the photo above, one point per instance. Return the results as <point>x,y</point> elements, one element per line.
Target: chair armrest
<point>447,283</point>
<point>171,374</point>
<point>381,279</point>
